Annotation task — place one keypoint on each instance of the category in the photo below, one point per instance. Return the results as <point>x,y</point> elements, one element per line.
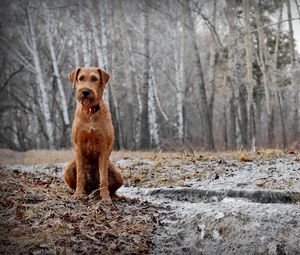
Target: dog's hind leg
<point>115,179</point>
<point>70,175</point>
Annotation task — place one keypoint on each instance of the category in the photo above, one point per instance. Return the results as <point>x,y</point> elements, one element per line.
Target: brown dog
<point>93,138</point>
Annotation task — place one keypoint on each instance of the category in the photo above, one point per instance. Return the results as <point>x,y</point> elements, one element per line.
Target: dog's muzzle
<point>86,92</point>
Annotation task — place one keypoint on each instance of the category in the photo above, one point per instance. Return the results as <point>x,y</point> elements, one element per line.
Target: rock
<point>261,182</point>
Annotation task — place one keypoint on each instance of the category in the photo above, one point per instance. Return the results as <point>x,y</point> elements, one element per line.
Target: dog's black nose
<point>85,92</point>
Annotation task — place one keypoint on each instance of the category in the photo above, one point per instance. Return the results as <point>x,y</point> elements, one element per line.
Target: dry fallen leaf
<point>28,214</point>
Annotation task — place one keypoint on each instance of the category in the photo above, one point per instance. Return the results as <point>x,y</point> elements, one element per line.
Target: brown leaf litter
<point>39,216</point>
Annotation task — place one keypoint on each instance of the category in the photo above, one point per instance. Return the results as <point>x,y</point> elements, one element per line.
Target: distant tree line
<point>185,73</point>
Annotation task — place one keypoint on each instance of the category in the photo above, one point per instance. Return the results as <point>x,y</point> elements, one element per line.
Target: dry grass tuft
<point>270,153</point>
<point>245,157</point>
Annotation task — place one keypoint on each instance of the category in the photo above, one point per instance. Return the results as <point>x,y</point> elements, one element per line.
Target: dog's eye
<point>81,78</point>
<point>94,78</point>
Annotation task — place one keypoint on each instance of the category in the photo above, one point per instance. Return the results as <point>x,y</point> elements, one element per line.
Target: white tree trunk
<point>85,40</point>
<point>155,141</point>
<point>101,52</point>
<point>138,119</point>
<point>63,100</point>
<point>263,62</point>
<point>249,62</point>
<point>42,85</point>
<point>34,124</point>
<point>179,77</point>
<point>104,49</point>
<point>295,85</point>
<point>103,22</point>
<point>131,82</point>
<point>97,41</point>
<point>212,60</point>
<point>137,137</point>
<point>76,51</point>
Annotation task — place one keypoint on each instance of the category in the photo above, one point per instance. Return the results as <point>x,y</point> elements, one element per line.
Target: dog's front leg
<point>80,176</point>
<point>103,174</point>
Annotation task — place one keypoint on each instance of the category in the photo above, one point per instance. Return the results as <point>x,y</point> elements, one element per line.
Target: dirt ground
<point>177,203</point>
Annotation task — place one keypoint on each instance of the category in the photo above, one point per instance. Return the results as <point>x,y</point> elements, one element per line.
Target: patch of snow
<point>128,162</point>
<point>48,169</point>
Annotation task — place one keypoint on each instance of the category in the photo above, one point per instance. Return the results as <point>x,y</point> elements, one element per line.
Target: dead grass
<point>33,157</point>
<point>9,156</point>
<point>269,153</point>
<point>47,156</point>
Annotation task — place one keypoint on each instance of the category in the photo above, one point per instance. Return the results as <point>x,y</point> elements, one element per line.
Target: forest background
<point>220,74</point>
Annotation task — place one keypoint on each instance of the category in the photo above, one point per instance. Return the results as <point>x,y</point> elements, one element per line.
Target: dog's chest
<point>90,142</point>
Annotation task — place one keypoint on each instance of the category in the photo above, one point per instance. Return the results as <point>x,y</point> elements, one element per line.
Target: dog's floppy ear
<point>104,76</point>
<point>73,75</point>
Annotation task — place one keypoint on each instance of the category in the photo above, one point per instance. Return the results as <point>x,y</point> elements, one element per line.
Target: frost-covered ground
<point>211,204</point>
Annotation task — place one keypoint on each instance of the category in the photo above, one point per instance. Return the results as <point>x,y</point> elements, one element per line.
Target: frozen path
<point>199,222</point>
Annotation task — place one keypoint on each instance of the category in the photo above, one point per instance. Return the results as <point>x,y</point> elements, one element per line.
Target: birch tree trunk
<point>201,85</point>
<point>297,4</point>
<point>41,83</point>
<point>179,73</point>
<point>76,50</point>
<point>137,137</point>
<point>212,67</point>
<point>262,62</point>
<point>153,124</point>
<point>155,94</point>
<point>275,80</point>
<point>295,126</point>
<point>85,38</point>
<point>113,105</point>
<point>291,34</point>
<point>62,94</point>
<point>179,57</point>
<point>250,81</point>
<point>230,71</point>
<point>129,71</point>
<point>96,37</point>
<point>102,9</point>
<point>233,128</point>
<point>145,131</point>
<point>225,126</point>
<point>115,115</point>
<point>131,81</point>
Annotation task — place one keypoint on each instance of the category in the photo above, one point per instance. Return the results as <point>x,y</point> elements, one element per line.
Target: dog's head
<point>89,83</point>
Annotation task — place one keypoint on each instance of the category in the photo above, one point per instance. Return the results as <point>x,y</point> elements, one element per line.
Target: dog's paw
<point>78,195</point>
<point>118,197</point>
<point>105,197</point>
<point>106,200</point>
